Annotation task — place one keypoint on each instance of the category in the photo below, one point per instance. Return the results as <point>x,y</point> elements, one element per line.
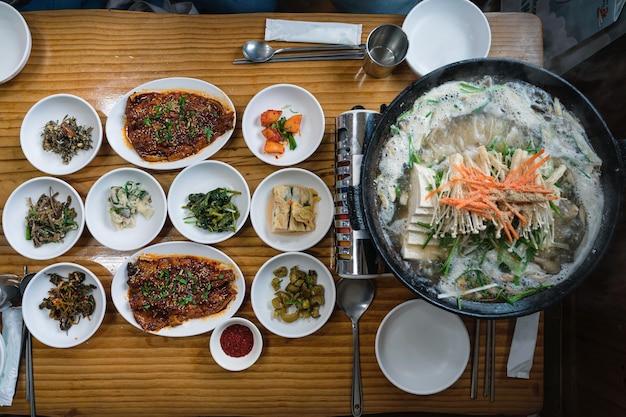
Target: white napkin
<point>312,32</point>
<point>12,335</point>
<point>523,346</point>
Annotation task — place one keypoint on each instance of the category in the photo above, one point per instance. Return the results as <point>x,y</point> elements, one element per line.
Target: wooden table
<point>100,55</point>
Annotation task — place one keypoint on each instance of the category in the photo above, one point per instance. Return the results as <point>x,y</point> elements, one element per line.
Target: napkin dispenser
<point>355,254</point>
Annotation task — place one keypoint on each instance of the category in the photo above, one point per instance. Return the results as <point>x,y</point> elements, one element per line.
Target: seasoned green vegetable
<point>302,296</point>
<point>213,211</point>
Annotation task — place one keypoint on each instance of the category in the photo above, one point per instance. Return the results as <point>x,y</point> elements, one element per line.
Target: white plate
<point>16,42</point>
<point>97,211</point>
<point>421,348</point>
<point>291,99</point>
<point>55,108</point>
<point>16,208</point>
<point>201,178</point>
<point>441,32</point>
<point>45,328</point>
<point>262,294</point>
<point>261,210</point>
<point>231,363</point>
<point>116,122</point>
<point>119,288</point>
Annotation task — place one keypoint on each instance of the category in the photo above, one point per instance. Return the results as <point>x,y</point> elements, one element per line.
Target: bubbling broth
<point>489,189</point>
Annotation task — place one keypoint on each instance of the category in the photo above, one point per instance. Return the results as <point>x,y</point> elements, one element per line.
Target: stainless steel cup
<point>385,49</point>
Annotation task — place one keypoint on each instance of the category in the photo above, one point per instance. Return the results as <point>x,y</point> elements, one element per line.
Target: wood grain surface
<point>101,55</point>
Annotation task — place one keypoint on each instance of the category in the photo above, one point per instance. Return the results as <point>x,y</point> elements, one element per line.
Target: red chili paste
<point>237,340</point>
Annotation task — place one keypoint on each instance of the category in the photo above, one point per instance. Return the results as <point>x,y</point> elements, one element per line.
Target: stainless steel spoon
<point>354,296</point>
<point>27,342</point>
<point>257,51</point>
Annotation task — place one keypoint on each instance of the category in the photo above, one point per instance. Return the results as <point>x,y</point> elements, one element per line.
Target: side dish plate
<point>261,210</point>
<point>262,295</point>
<point>116,122</point>
<point>16,209</point>
<point>47,330</point>
<point>55,108</point>
<point>99,220</point>
<point>202,178</point>
<point>291,99</point>
<point>119,288</point>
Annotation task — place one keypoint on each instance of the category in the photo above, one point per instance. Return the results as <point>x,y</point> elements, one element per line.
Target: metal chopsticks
<point>27,342</point>
<point>475,352</point>
<point>490,362</point>
<point>489,387</point>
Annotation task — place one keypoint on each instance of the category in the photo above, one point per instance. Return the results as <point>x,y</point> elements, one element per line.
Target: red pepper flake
<point>237,340</point>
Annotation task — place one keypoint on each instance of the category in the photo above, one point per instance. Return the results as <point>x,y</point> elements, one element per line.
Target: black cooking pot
<point>502,70</point>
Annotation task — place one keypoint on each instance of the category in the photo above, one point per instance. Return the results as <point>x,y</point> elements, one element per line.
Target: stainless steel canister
<point>355,254</point>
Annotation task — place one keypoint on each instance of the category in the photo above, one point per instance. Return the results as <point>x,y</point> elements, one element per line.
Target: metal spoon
<point>354,296</point>
<point>257,51</point>
<point>27,342</point>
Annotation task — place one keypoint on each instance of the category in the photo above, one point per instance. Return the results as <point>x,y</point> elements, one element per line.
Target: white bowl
<point>16,208</point>
<point>291,99</point>
<point>441,32</point>
<point>262,294</point>
<point>97,211</point>
<point>231,363</point>
<point>202,178</point>
<point>16,42</point>
<point>421,348</point>
<point>261,210</point>
<point>55,108</point>
<point>45,328</point>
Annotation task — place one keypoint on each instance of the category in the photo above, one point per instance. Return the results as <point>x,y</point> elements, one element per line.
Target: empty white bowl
<point>16,42</point>
<point>422,349</point>
<point>441,32</point>
<point>55,108</point>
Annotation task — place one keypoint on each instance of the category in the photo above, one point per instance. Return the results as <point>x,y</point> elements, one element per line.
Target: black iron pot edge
<point>613,181</point>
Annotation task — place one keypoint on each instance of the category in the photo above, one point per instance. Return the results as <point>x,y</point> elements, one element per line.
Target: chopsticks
<point>331,56</point>
<point>489,387</point>
<point>27,342</point>
<point>474,383</point>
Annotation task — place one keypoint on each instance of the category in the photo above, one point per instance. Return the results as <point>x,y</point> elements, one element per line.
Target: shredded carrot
<point>491,199</point>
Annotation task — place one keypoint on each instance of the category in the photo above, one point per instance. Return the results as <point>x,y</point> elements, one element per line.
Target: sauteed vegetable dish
<point>49,220</point>
<point>70,299</point>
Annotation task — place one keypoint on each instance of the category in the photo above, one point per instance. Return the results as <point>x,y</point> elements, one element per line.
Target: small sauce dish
<point>236,344</point>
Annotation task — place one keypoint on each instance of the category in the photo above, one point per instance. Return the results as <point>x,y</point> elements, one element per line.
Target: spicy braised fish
<point>169,290</point>
<point>171,126</point>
